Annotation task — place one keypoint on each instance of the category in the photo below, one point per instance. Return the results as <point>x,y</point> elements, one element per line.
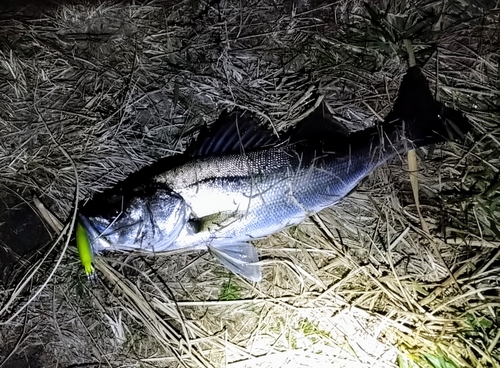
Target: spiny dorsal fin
<point>233,132</point>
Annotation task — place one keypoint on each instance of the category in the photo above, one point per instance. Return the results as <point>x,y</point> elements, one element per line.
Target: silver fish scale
<point>238,198</point>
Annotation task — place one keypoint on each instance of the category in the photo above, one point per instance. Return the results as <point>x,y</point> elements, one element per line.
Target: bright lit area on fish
<point>242,184</point>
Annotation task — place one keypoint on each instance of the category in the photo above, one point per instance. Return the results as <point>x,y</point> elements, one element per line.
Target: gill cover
<point>149,217</point>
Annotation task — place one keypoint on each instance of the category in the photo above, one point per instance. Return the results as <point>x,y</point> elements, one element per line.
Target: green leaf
<point>230,291</point>
<point>439,361</point>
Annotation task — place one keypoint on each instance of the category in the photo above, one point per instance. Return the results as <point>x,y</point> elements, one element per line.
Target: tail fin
<point>424,120</point>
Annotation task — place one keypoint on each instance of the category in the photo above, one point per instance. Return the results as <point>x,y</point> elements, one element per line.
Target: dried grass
<point>361,284</point>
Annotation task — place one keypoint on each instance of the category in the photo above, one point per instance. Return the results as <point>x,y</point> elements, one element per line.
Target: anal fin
<point>241,258</point>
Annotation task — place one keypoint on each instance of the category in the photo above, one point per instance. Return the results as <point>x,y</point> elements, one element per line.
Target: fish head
<point>145,218</point>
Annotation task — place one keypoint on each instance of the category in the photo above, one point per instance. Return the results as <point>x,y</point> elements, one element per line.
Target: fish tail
<point>419,118</point>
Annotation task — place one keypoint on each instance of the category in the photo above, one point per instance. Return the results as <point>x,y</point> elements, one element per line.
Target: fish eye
<point>194,224</point>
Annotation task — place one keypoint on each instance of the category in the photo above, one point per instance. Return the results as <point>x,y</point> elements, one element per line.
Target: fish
<point>242,183</point>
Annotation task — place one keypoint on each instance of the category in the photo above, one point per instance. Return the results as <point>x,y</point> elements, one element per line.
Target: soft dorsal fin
<point>232,133</point>
<point>319,126</point>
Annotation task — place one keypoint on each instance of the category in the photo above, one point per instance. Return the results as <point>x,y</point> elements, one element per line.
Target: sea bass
<point>243,184</point>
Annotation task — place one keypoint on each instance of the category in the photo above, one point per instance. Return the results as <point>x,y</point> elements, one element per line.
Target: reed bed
<point>390,277</point>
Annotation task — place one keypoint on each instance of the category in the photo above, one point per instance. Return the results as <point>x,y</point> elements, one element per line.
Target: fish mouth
<point>96,241</point>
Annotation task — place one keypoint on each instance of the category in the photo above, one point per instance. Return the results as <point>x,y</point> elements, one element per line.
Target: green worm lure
<point>85,251</point>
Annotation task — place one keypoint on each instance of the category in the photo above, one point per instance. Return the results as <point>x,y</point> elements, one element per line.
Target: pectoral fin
<point>241,258</point>
<point>218,221</point>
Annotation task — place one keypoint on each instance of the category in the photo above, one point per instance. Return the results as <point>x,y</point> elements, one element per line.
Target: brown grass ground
<point>91,93</point>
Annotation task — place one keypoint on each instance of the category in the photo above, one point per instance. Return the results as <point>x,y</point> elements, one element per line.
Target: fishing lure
<point>85,251</point>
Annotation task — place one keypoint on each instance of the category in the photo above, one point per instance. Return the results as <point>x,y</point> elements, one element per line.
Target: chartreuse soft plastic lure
<point>84,250</point>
